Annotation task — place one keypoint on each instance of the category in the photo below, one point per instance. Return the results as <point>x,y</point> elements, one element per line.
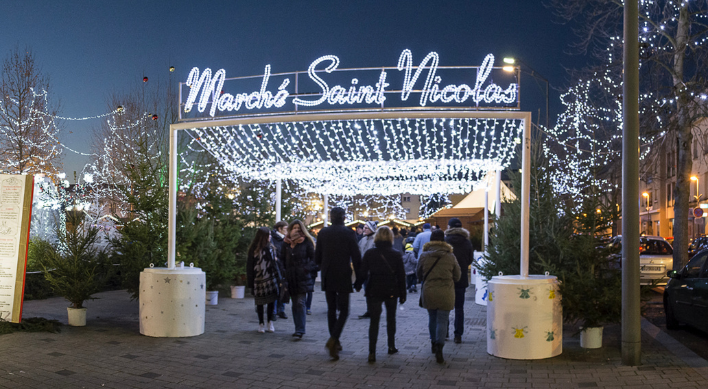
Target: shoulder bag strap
<point>388,265</point>
<point>429,270</point>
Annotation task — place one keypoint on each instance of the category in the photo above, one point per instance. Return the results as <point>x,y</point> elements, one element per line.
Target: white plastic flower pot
<point>591,337</point>
<point>77,316</point>
<point>212,297</point>
<point>238,291</point>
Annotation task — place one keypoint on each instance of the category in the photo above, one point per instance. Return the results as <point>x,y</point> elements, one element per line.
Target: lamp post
<point>698,204</point>
<point>698,195</point>
<point>509,67</point>
<point>646,209</point>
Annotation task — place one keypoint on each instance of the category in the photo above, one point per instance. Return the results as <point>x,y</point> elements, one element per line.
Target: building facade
<point>658,184</point>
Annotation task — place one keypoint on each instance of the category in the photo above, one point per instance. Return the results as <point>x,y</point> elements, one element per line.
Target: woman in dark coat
<point>298,258</point>
<point>382,266</point>
<point>261,273</point>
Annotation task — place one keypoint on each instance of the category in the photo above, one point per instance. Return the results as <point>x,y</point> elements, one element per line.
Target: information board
<point>15,216</point>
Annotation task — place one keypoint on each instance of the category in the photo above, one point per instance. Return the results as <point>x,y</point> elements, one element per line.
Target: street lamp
<point>646,210</point>
<point>697,196</point>
<point>509,67</point>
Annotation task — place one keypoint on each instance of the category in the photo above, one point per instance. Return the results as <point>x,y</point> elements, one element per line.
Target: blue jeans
<point>308,303</point>
<point>460,311</point>
<point>278,307</point>
<point>299,314</point>
<point>411,281</point>
<point>438,320</point>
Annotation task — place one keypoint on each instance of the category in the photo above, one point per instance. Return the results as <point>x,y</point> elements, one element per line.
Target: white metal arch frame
<point>432,169</point>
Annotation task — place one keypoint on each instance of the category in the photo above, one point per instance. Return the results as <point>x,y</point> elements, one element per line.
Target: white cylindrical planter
<point>591,337</point>
<point>172,302</point>
<point>480,284</point>
<point>238,291</point>
<point>212,297</point>
<point>524,317</point>
<point>77,316</point>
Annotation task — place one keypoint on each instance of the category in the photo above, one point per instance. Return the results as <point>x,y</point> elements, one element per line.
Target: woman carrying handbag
<point>438,271</point>
<point>262,272</point>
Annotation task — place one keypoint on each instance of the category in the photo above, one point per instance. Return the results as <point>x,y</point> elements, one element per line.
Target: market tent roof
<point>476,198</point>
<point>458,212</point>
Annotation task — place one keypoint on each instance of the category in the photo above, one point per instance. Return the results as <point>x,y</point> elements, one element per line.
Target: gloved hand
<point>402,299</point>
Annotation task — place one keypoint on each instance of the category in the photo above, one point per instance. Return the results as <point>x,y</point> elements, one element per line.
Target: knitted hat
<point>454,223</point>
<point>371,225</point>
<point>426,226</point>
<point>409,247</point>
<point>437,235</point>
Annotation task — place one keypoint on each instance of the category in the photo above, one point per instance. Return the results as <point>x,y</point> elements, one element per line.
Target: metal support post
<point>172,206</point>
<point>278,200</point>
<point>497,208</point>
<point>486,216</point>
<point>525,198</point>
<point>325,212</point>
<point>631,326</point>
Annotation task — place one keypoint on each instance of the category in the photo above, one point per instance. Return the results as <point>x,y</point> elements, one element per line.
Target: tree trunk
<point>683,148</point>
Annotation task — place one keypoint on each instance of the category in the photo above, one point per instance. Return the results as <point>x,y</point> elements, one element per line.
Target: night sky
<point>90,49</point>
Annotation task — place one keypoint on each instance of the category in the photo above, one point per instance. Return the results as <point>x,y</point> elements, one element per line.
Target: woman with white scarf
<point>262,273</point>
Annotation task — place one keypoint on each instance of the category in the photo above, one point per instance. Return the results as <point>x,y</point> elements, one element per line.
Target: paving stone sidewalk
<point>110,352</point>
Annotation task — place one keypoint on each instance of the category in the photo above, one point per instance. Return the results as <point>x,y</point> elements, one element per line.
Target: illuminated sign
<point>207,88</point>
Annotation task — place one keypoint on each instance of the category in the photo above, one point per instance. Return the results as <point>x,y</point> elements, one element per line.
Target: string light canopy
<point>366,153</point>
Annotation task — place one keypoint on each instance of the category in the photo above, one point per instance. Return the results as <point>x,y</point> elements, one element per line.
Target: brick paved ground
<point>110,352</point>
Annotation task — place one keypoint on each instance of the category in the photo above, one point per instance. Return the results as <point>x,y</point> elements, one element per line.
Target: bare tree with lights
<point>28,131</point>
<point>673,84</point>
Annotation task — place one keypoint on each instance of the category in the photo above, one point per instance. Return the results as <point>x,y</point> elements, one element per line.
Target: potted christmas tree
<point>238,289</point>
<point>71,268</point>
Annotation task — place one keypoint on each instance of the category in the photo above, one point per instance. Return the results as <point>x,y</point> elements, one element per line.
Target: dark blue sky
<point>93,48</point>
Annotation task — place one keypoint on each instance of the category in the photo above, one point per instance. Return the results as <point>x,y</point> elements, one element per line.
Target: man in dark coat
<point>459,239</point>
<point>278,234</point>
<point>336,253</point>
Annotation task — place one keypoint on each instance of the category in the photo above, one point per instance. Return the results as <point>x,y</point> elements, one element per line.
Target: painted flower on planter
<point>490,296</point>
<point>492,334</point>
<point>551,294</point>
<point>549,336</point>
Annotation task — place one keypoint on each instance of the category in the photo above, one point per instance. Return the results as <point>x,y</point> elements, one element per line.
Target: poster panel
<point>15,215</point>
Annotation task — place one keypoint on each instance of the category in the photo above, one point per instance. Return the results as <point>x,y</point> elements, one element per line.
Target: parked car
<point>686,294</point>
<point>655,258</point>
<point>697,245</point>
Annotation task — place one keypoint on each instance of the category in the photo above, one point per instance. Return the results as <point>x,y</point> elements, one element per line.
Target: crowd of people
<point>387,263</point>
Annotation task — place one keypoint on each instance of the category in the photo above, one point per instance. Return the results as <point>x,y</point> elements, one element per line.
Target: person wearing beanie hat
<point>366,243</point>
<point>409,263</point>
<point>438,271</point>
<point>459,239</point>
<point>421,239</point>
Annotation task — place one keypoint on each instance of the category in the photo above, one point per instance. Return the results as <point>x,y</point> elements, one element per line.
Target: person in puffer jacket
<point>410,262</point>
<point>438,271</point>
